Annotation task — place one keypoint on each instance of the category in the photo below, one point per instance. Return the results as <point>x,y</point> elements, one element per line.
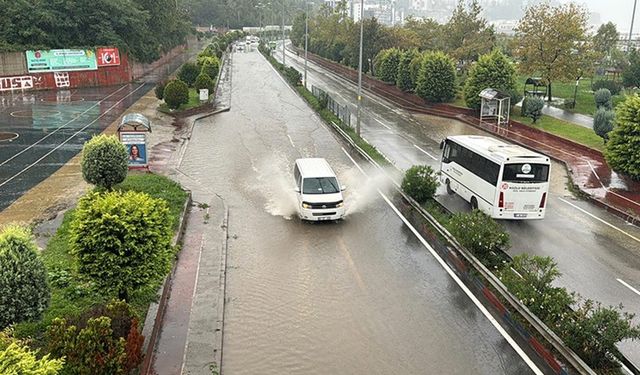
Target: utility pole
<point>283,43</point>
<point>633,17</point>
<point>360,67</point>
<point>306,37</point>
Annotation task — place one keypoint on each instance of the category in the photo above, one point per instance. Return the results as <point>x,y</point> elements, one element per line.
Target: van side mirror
<point>343,187</point>
<point>296,189</point>
<point>442,144</point>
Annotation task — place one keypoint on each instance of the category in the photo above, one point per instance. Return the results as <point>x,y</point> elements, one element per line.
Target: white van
<point>318,191</point>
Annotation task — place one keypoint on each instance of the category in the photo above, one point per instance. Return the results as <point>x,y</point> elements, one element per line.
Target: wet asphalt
<point>361,296</point>
<point>597,252</point>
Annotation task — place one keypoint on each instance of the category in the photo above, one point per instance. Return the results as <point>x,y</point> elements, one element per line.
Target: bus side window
<point>446,152</point>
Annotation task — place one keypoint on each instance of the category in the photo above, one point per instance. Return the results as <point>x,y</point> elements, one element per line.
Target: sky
<point>616,11</point>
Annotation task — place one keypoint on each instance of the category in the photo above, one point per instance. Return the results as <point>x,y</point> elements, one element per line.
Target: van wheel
<point>449,189</point>
<point>474,203</point>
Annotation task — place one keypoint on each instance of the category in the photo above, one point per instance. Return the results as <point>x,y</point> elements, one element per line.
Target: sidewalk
<point>587,167</point>
<point>564,115</point>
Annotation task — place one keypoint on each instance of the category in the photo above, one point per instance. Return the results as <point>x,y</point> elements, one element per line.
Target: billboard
<point>108,56</point>
<point>61,60</point>
<point>136,144</point>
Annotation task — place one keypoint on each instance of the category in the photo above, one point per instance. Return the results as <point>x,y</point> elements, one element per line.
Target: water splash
<point>362,191</point>
<point>276,184</point>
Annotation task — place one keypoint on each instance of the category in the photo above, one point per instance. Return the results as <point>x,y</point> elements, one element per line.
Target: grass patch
<point>194,101</point>
<point>71,294</point>
<point>573,132</point>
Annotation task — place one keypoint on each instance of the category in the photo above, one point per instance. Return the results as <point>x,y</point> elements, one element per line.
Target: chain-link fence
<point>342,111</point>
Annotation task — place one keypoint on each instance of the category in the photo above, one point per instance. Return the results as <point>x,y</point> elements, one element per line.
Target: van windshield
<point>320,185</point>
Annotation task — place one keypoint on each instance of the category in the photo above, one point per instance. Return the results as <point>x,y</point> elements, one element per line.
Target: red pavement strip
<point>587,167</point>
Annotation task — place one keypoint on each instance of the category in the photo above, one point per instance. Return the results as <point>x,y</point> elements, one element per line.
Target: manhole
<point>29,114</point>
<point>6,136</point>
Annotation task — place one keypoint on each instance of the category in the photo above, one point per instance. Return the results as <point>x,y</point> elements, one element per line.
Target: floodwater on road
<point>361,296</point>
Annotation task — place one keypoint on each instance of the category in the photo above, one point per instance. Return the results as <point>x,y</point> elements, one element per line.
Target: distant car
<point>318,191</point>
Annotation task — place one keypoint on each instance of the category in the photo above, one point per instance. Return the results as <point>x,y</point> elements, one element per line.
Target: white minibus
<point>318,190</point>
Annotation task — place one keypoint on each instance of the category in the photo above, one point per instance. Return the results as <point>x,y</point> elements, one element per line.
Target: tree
<point>159,89</point>
<point>605,40</point>
<point>631,72</point>
<point>602,97</point>
<point>122,240</point>
<point>603,123</point>
<point>204,82</point>
<point>493,70</point>
<point>437,78</point>
<point>24,292</point>
<point>420,183</point>
<point>623,149</point>
<point>404,80</point>
<point>387,64</point>
<point>104,161</point>
<point>429,32</point>
<point>553,42</point>
<point>188,73</point>
<point>176,93</point>
<point>532,108</point>
<point>467,35</point>
<point>376,37</point>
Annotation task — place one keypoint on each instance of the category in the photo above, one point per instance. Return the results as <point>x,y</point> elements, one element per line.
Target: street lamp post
<point>283,43</point>
<point>360,67</point>
<point>633,16</point>
<point>306,37</point>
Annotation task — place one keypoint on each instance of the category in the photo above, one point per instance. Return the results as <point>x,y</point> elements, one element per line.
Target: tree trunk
<point>549,92</point>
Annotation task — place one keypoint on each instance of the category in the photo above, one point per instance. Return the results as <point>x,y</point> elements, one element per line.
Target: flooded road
<point>597,252</point>
<point>362,296</point>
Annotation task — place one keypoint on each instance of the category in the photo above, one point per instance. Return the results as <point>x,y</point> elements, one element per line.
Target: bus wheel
<point>449,189</point>
<point>474,203</point>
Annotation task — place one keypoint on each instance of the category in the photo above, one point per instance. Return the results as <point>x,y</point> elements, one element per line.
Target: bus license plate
<point>519,215</point>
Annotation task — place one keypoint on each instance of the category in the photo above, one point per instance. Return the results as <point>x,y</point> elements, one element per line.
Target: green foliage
<point>437,78</point>
<point>414,68</point>
<point>210,66</point>
<point>404,80</point>
<point>122,240</point>
<point>204,82</point>
<point>467,35</point>
<point>420,182</point>
<point>188,73</point>
<point>293,76</point>
<point>83,346</point>
<point>159,90</point>
<point>603,123</point>
<point>493,70</point>
<point>631,72</point>
<point>532,108</point>
<point>479,234</point>
<point>24,292</point>
<point>613,86</point>
<point>104,161</point>
<point>387,65</point>
<point>530,278</point>
<point>176,93</point>
<point>17,359</point>
<point>623,149</point>
<point>602,98</point>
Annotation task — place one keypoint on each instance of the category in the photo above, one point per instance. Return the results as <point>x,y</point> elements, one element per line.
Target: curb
<point>222,294</point>
<point>155,316</point>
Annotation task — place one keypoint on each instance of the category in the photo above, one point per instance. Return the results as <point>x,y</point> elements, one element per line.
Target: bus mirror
<point>442,144</point>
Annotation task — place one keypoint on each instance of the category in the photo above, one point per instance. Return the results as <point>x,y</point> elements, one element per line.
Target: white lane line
<point>636,291</point>
<point>455,277</point>
<point>381,123</point>
<point>428,154</point>
<point>291,141</point>
<point>69,138</point>
<point>60,127</point>
<point>600,220</point>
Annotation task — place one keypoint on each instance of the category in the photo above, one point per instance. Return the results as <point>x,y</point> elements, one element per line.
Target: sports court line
<point>60,127</point>
<point>71,137</point>
<point>455,277</point>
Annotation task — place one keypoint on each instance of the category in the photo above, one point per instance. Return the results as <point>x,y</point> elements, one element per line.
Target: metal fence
<point>342,111</point>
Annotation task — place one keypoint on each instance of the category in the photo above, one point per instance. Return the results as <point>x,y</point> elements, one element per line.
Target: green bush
<point>293,76</point>
<point>613,86</point>
<point>631,72</point>
<point>404,80</point>
<point>602,97</point>
<point>159,90</point>
<point>603,123</point>
<point>91,349</point>
<point>17,359</point>
<point>387,65</point>
<point>623,148</point>
<point>480,234</point>
<point>204,82</point>
<point>437,78</point>
<point>414,68</point>
<point>176,93</point>
<point>210,67</point>
<point>420,183</point>
<point>24,292</point>
<point>188,73</point>
<point>532,108</point>
<point>104,161</point>
<point>493,70</point>
<point>122,240</point>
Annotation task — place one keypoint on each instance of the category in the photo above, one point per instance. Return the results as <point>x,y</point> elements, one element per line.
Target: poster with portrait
<point>136,144</point>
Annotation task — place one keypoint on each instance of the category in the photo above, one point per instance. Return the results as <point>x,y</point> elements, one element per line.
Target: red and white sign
<point>108,56</point>
<point>504,186</point>
<point>16,83</point>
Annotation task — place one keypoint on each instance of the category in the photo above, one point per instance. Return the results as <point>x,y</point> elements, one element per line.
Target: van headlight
<point>340,204</point>
<point>306,205</point>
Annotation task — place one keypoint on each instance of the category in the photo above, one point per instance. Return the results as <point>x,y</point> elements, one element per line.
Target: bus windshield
<point>525,172</point>
<point>322,185</point>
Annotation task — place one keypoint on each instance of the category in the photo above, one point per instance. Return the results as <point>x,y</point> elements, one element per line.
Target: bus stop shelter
<point>132,132</point>
<point>495,107</point>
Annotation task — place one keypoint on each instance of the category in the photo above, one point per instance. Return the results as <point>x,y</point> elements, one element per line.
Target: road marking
<point>428,154</point>
<point>352,266</point>
<point>69,138</point>
<point>291,141</point>
<point>636,291</point>
<point>601,220</point>
<point>60,127</point>
<point>455,277</point>
<point>381,123</point>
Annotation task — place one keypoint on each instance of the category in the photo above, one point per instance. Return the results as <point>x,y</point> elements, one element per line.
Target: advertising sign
<point>59,60</point>
<point>108,56</point>
<point>136,144</point>
<point>16,83</point>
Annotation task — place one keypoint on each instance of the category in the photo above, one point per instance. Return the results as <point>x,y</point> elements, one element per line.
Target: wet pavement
<point>597,252</point>
<point>574,118</point>
<point>361,296</point>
